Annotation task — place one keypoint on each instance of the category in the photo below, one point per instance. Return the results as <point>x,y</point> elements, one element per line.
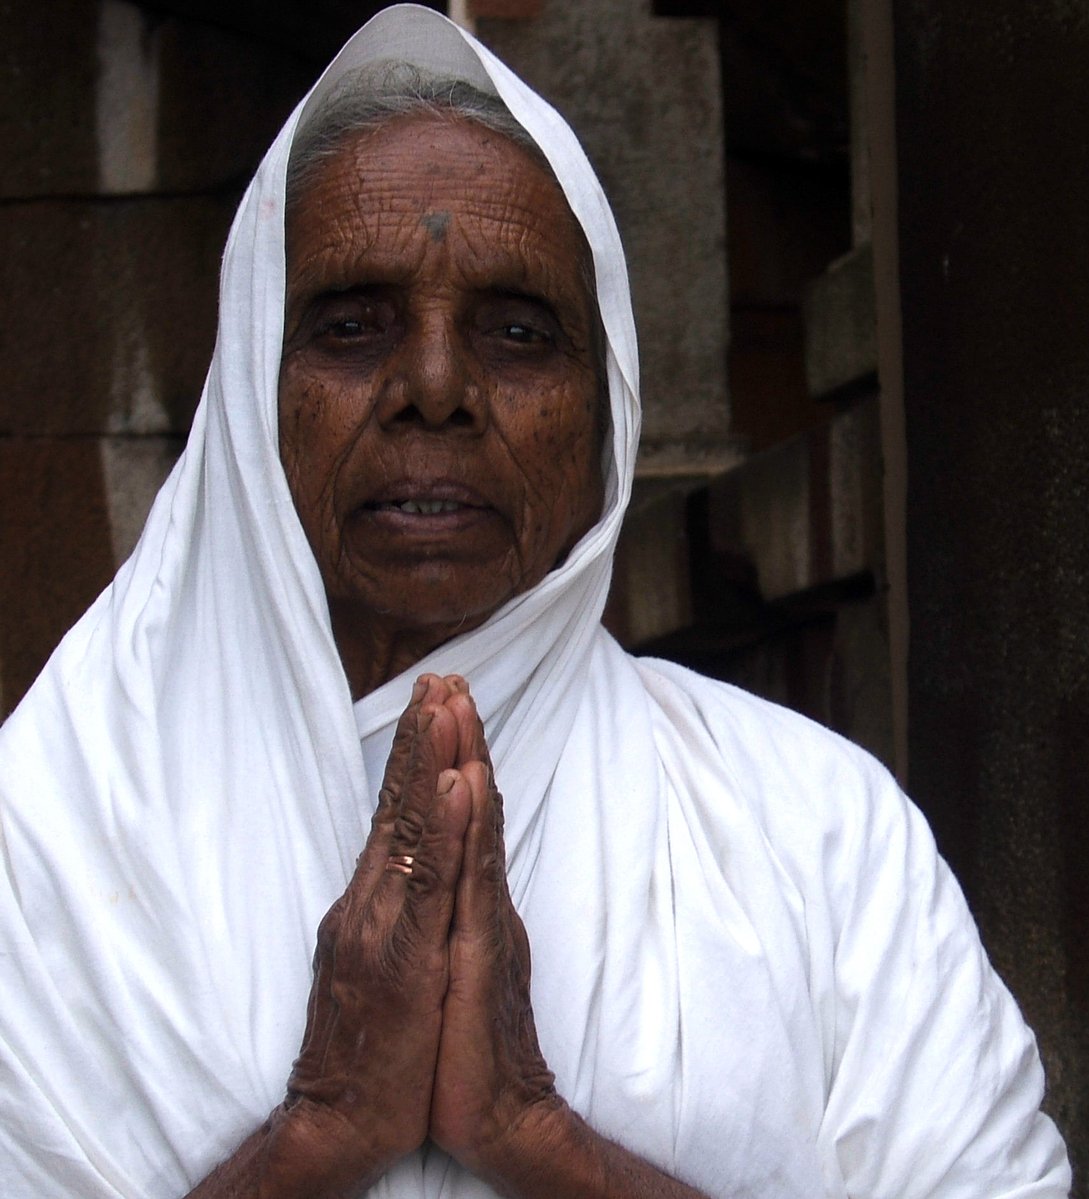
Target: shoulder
<point>933,1081</point>
<point>730,710</point>
<point>826,815</point>
<point>781,765</point>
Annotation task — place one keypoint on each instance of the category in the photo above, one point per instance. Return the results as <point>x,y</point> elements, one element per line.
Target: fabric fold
<point>706,881</point>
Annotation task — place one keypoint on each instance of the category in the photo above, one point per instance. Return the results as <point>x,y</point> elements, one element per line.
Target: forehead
<point>422,180</point>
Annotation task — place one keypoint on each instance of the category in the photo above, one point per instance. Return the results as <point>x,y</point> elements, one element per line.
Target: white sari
<point>749,965</point>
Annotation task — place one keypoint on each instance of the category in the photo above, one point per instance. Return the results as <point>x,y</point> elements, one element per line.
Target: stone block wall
<point>643,93</point>
<point>131,129</point>
<point>128,137</point>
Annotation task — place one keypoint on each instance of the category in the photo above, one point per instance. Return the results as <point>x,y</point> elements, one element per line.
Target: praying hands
<point>419,1021</point>
<point>419,1024</point>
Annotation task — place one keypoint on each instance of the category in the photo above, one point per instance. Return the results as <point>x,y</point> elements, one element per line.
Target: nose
<point>434,382</point>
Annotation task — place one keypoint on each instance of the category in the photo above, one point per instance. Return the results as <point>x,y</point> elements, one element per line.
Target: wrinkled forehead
<point>430,43</point>
<point>364,165</point>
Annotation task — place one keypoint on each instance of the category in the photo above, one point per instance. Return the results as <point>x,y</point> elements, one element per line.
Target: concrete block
<point>126,98</point>
<point>841,325</point>
<point>310,30</point>
<point>222,99</point>
<point>71,510</point>
<point>785,225</point>
<point>47,112</point>
<point>506,10</point>
<point>133,470</point>
<point>113,98</point>
<point>808,512</point>
<point>643,94</point>
<point>108,317</point>
<point>759,513</point>
<point>55,553</point>
<point>651,590</point>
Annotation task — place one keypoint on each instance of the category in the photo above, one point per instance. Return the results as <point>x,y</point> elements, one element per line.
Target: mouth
<point>424,497</point>
<point>419,507</point>
<point>433,509</point>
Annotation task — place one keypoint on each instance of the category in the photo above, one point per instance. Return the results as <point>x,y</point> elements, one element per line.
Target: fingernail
<point>419,690</point>
<point>446,782</point>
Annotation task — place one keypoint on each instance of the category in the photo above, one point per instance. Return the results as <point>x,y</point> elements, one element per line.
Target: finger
<point>482,882</point>
<point>434,750</point>
<point>413,903</point>
<point>472,745</point>
<point>429,689</point>
<point>462,704</point>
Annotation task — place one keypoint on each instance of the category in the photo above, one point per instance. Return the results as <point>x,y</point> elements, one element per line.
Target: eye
<point>346,328</point>
<point>352,317</point>
<point>518,322</point>
<point>525,334</point>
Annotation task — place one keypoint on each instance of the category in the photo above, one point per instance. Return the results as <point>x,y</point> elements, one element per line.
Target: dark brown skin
<point>438,346</point>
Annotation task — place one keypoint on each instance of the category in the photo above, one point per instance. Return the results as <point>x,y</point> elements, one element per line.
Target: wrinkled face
<point>438,387</point>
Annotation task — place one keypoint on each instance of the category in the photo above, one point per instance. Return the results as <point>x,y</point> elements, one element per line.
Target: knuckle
<point>386,811</point>
<point>409,826</point>
<point>330,926</point>
<point>425,877</point>
<point>346,993</point>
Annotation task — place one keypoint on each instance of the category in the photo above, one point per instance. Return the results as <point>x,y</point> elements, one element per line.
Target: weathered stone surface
<point>786,223</point>
<point>47,114</point>
<point>311,30</point>
<point>110,97</point>
<point>651,594</point>
<point>506,10</point>
<point>643,95</point>
<point>54,549</point>
<point>133,470</point>
<point>222,99</point>
<point>841,326</point>
<point>108,314</point>
<point>807,513</point>
<point>71,510</point>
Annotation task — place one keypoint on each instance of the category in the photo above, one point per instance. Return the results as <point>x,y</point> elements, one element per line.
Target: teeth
<point>427,507</point>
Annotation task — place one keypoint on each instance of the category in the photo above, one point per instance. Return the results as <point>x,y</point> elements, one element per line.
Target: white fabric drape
<point>748,964</point>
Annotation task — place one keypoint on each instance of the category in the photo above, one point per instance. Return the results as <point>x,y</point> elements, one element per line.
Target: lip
<point>435,507</point>
<point>423,491</point>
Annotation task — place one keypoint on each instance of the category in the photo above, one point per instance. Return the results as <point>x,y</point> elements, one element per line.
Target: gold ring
<point>400,863</point>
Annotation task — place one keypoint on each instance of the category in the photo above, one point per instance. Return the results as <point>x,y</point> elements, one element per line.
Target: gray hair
<point>370,97</point>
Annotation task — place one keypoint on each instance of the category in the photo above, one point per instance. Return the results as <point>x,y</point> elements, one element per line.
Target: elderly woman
<point>751,974</point>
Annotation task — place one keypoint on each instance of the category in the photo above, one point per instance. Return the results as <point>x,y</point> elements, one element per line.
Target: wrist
<point>547,1152</point>
<point>312,1151</point>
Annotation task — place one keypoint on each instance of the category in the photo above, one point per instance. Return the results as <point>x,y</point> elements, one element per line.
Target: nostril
<point>411,414</point>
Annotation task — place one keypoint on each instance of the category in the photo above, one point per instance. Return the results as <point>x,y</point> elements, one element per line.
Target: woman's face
<point>438,388</point>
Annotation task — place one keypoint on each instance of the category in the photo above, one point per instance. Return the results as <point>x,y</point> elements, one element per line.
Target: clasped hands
<point>419,1022</point>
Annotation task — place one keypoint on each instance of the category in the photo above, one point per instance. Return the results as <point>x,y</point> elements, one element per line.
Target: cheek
<point>313,438</point>
<point>560,461</point>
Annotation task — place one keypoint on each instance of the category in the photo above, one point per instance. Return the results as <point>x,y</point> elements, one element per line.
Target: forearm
<point>288,1158</point>
<point>557,1155</point>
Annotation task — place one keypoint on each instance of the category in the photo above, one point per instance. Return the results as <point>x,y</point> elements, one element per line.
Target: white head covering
<point>728,908</point>
<point>185,792</point>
